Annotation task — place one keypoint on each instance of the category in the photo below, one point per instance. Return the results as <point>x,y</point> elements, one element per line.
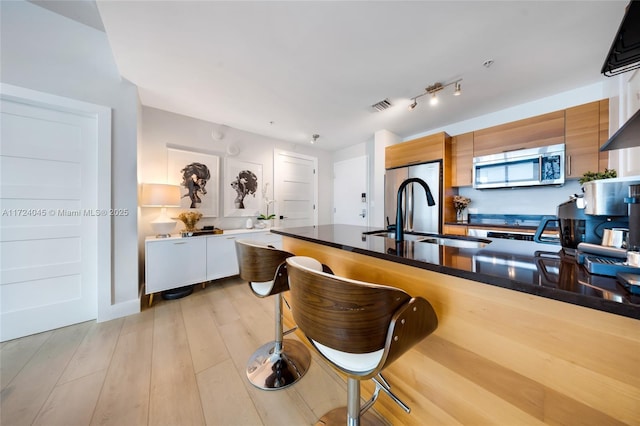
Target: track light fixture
<point>433,90</point>
<point>458,90</point>
<point>314,138</point>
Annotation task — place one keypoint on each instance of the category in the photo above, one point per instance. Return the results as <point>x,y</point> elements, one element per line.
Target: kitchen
<point>138,162</point>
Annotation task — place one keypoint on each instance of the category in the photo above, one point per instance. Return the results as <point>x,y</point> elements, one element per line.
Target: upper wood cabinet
<point>582,139</point>
<point>462,159</point>
<point>603,156</point>
<point>421,150</point>
<point>542,130</point>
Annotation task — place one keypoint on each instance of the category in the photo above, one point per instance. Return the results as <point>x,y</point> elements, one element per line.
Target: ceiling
<point>288,70</point>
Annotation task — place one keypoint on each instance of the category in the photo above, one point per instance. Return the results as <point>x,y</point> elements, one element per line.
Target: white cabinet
<point>177,262</point>
<point>221,251</point>
<point>221,257</point>
<point>174,262</point>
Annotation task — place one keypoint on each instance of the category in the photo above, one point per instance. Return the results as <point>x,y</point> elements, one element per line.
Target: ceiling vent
<point>382,105</point>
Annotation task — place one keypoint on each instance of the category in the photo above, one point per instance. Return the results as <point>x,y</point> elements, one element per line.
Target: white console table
<point>177,262</point>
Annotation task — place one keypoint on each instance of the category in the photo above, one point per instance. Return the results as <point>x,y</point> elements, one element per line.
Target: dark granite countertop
<point>524,266</point>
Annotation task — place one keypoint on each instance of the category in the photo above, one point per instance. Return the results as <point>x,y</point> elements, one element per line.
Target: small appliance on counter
<point>576,226</point>
<point>633,200</point>
<point>597,229</point>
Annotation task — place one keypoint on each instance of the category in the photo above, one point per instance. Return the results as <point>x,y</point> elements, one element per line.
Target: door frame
<point>277,179</point>
<point>102,115</point>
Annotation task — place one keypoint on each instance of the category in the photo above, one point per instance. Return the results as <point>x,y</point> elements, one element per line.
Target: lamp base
<point>163,226</point>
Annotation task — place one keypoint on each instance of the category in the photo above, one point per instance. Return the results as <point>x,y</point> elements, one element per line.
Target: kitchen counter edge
<point>604,305</point>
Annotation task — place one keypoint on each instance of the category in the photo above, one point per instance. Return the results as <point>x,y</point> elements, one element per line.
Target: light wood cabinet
<point>462,160</point>
<point>421,150</point>
<point>603,157</point>
<point>542,130</point>
<point>455,230</point>
<point>582,139</point>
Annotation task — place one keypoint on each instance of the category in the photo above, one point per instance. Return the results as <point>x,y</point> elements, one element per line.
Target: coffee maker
<point>583,218</point>
<point>614,199</point>
<point>576,226</point>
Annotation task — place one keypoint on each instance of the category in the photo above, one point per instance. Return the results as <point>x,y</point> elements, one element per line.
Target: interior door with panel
<point>52,229</point>
<point>295,189</point>
<point>350,192</point>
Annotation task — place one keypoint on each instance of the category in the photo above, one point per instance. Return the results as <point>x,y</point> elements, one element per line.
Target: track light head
<point>413,105</point>
<point>314,138</point>
<point>434,100</point>
<point>458,89</point>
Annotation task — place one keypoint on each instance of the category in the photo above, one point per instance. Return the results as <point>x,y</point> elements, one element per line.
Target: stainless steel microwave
<point>523,167</point>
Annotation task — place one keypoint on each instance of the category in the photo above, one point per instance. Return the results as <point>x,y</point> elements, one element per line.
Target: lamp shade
<point>160,195</point>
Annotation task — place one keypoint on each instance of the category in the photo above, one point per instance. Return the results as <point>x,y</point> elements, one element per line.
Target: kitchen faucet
<point>399,218</point>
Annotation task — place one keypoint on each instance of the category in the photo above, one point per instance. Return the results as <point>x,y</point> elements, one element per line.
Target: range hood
<point>627,136</point>
<point>624,54</point>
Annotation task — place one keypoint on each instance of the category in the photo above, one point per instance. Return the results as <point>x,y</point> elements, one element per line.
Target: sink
<point>408,236</point>
<point>456,242</point>
<point>440,239</point>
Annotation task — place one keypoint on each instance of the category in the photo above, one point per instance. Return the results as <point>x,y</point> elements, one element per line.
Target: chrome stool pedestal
<point>281,363</point>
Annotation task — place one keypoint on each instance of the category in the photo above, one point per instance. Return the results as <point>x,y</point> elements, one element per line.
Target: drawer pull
<point>181,242</point>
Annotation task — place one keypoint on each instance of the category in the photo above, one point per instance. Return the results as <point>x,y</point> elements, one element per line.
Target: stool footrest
<point>381,383</point>
<point>291,330</point>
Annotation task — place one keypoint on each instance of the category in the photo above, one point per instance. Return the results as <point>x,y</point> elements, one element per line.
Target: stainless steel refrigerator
<point>418,216</point>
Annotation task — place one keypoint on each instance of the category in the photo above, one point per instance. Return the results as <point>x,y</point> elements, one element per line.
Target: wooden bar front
<point>500,356</point>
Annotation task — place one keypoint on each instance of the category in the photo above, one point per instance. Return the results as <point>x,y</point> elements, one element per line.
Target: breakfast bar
<point>525,335</point>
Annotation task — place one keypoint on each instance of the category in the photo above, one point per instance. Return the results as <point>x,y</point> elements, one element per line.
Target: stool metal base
<point>338,416</point>
<point>272,371</point>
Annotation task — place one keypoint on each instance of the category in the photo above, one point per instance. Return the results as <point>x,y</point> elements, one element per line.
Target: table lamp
<point>161,195</point>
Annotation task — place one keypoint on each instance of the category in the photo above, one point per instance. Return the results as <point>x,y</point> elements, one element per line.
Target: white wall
<point>541,200</point>
<point>46,52</point>
<point>160,129</point>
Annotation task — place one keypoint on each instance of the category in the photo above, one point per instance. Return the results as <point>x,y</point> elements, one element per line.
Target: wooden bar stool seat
<point>282,362</point>
<point>358,327</point>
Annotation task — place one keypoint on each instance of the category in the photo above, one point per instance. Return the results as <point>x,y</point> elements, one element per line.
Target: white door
<point>350,192</point>
<point>295,189</point>
<point>49,226</point>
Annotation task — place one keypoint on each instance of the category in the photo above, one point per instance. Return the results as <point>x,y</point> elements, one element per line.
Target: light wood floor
<point>179,362</point>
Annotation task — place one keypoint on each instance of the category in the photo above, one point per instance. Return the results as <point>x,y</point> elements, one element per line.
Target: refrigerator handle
<point>409,209</point>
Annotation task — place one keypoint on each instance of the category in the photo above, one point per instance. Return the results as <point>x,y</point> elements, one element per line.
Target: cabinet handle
<point>569,165</point>
<point>181,242</point>
<point>231,238</point>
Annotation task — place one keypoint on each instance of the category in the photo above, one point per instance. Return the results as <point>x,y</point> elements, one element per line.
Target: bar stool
<point>359,328</point>
<point>280,363</point>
